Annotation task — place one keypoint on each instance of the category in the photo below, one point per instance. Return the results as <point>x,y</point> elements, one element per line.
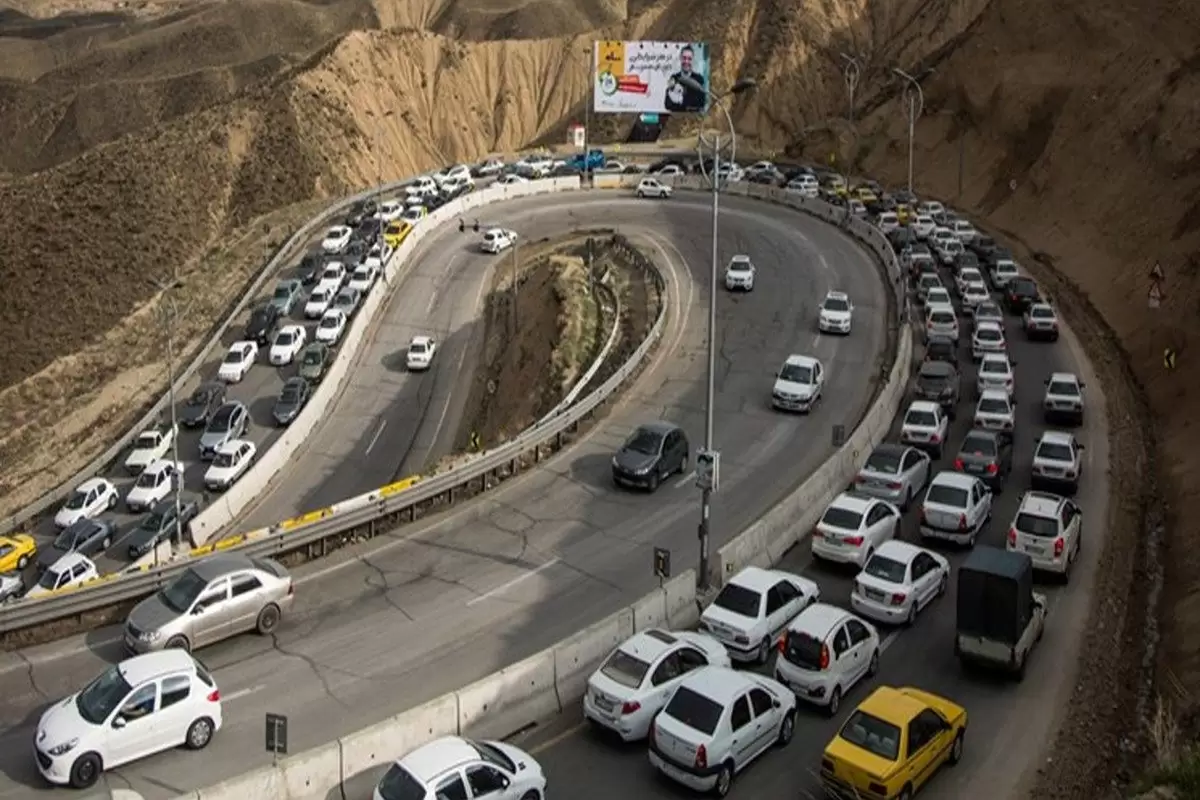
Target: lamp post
<point>851,73</point>
<point>170,316</point>
<point>377,151</point>
<point>587,114</point>
<point>715,143</point>
<point>916,105</point>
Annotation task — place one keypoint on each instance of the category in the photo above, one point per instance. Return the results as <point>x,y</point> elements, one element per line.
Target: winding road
<point>436,605</point>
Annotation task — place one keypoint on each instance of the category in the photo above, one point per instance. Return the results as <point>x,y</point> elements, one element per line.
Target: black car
<point>291,399</point>
<point>965,260</point>
<point>263,322</point>
<point>983,246</point>
<point>368,230</point>
<point>997,255</point>
<point>203,403</point>
<point>987,455</point>
<point>310,268</point>
<point>941,348</point>
<point>86,537</point>
<point>652,453</point>
<point>939,382</point>
<point>160,525</point>
<point>1020,293</point>
<point>902,237</point>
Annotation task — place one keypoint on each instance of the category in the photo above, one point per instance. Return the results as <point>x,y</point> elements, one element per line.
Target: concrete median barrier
<point>680,599</point>
<point>651,611</point>
<point>575,659</point>
<point>506,701</point>
<point>366,754</point>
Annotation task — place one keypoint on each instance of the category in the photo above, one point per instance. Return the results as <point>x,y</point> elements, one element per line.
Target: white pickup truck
<point>149,446</point>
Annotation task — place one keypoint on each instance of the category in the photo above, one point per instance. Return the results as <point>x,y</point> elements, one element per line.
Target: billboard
<point>644,77</point>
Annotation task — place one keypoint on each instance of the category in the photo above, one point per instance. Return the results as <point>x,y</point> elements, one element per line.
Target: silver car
<point>219,597</point>
<point>894,472</point>
<point>228,423</point>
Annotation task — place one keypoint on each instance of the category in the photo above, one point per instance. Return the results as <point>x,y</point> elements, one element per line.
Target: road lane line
<point>240,693</point>
<point>375,438</point>
<point>888,640</point>
<point>685,480</point>
<point>559,739</point>
<point>510,584</point>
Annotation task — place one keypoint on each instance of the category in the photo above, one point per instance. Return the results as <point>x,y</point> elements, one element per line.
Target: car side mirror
<point>118,722</point>
<point>197,610</point>
<point>1081,447</point>
<point>1046,382</point>
<point>775,702</point>
<point>1082,385</point>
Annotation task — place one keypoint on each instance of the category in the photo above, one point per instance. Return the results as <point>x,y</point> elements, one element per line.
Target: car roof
<point>852,502</point>
<point>892,705</point>
<point>923,405</point>
<point>157,464</point>
<point>1056,437</point>
<point>218,564</point>
<point>898,550</point>
<point>430,760</point>
<point>1042,504</point>
<point>70,560</point>
<point>91,483</point>
<point>661,427</point>
<point>425,340</point>
<point>818,620</point>
<point>230,446</point>
<point>835,295</point>
<point>800,361</point>
<point>149,666</point>
<point>1070,377</point>
<point>755,578</point>
<point>957,480</point>
<point>740,258</point>
<point>720,684</point>
<point>994,394</point>
<point>648,645</point>
<point>937,367</point>
<point>989,324</point>
<point>997,357</point>
<point>983,433</point>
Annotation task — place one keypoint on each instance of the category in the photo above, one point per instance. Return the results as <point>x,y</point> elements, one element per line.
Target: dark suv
<point>263,322</point>
<point>1020,294</point>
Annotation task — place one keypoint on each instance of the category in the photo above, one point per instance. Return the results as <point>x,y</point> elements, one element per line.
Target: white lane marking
<point>240,693</point>
<point>433,298</point>
<point>685,480</point>
<point>510,584</point>
<point>887,640</point>
<point>375,438</point>
<point>551,742</point>
<point>682,309</point>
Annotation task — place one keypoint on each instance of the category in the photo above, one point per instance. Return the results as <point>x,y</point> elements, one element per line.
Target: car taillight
<point>781,645</point>
<point>935,438</point>
<point>1058,546</point>
<point>923,518</point>
<point>992,469</point>
<point>898,599</point>
<point>859,479</point>
<point>631,707</point>
<point>817,534</point>
<point>701,757</point>
<point>824,656</point>
<point>214,696</point>
<point>958,464</point>
<point>962,522</point>
<point>1012,537</point>
<point>893,484</point>
<point>853,541</point>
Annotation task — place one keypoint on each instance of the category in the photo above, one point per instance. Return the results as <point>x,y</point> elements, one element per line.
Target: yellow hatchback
<point>892,744</point>
<point>396,233</point>
<point>16,551</point>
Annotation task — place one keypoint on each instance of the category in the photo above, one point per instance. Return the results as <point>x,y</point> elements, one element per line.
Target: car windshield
<point>739,266</point>
<point>920,418</point>
<point>154,522</point>
<point>77,500</point>
<point>285,339</point>
<point>796,373</point>
<point>1024,286</point>
<point>740,600</point>
<point>1043,313</point>
<point>844,518</point>
<point>416,349</point>
<point>318,298</point>
<point>886,569</point>
<point>836,304</point>
<point>489,752</point>
<point>645,442</point>
<point>1063,388</point>
<point>887,461</point>
<point>993,405</point>
<point>282,293</point>
<point>200,397</point>
<point>398,784</point>
<point>989,334</point>
<point>221,422</point>
<point>102,696</point>
<point>290,394</point>
<point>330,322</point>
<point>940,317</point>
<point>995,367</point>
<point>625,669</point>
<point>146,440</point>
<point>224,459</point>
<point>148,479</point>
<point>1035,525</point>
<point>345,299</point>
<point>68,539</point>
<point>1053,451</point>
<point>987,310</point>
<point>872,734</point>
<point>694,710</point>
<point>233,357</point>
<point>181,593</point>
<point>943,495</point>
<point>49,579</point>
<point>976,445</point>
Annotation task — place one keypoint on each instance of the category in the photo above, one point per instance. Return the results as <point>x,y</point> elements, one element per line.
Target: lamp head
<point>744,85</point>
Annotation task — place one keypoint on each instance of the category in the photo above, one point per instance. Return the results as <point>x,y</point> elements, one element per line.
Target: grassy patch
<point>1175,769</point>
<point>577,320</point>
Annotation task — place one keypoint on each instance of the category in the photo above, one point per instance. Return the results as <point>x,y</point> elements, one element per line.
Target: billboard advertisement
<point>651,77</point>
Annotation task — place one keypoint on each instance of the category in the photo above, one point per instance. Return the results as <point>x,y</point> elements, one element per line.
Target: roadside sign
<point>649,119</point>
<point>277,734</point>
<point>662,563</point>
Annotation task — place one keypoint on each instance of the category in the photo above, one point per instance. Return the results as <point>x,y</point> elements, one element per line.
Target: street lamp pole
<point>378,152</point>
<point>170,313</point>
<point>851,73</point>
<point>715,143</point>
<point>916,105</point>
<point>587,114</point>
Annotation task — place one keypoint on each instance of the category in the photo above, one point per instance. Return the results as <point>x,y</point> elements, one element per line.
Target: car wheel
<point>905,793</point>
<point>112,501</point>
<point>683,463</point>
<point>199,734</point>
<point>531,795</point>
<point>787,729</point>
<point>907,500</point>
<point>654,480</point>
<point>724,780</point>
<point>268,620</point>
<point>764,651</point>
<point>956,750</point>
<point>911,619</point>
<point>22,563</point>
<point>106,543</point>
<point>179,643</point>
<point>835,702</point>
<point>873,667</point>
<point>942,583</point>
<point>86,771</point>
<point>641,195</point>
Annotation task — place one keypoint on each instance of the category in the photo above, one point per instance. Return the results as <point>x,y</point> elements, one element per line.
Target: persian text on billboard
<point>651,77</point>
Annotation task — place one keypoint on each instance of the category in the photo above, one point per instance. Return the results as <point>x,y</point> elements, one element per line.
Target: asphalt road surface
<point>1010,724</point>
<point>452,599</point>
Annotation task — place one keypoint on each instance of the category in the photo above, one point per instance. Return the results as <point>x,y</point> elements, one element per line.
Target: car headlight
<point>150,636</point>
<point>64,747</point>
<point>643,470</point>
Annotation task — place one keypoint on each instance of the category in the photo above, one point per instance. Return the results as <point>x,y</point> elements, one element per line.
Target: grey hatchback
<point>653,452</point>
<point>988,456</point>
<point>228,423</point>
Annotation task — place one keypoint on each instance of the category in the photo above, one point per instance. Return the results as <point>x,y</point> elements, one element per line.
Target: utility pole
<point>170,316</point>
<point>915,98</point>
<point>851,73</point>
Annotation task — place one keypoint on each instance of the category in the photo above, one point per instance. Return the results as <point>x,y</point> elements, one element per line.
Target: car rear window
<point>625,669</point>
<point>803,650</point>
<point>694,710</point>
<point>843,518</point>
<point>990,334</point>
<point>1063,389</point>
<point>942,317</point>
<point>979,445</point>
<point>884,461</point>
<point>922,418</point>
<point>943,495</point>
<point>739,600</point>
<point>872,734</point>
<point>1036,525</point>
<point>399,784</point>
<point>993,405</point>
<point>1054,452</point>
<point>887,569</point>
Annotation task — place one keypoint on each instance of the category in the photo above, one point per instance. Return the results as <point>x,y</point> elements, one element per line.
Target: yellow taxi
<point>892,744</point>
<point>396,232</point>
<point>837,185</point>
<point>904,213</point>
<point>16,551</point>
<point>864,195</point>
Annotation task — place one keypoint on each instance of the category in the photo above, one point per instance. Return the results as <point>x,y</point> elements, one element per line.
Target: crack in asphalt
<point>521,523</point>
<point>315,667</point>
<point>32,678</point>
<point>591,576</point>
<point>384,588</point>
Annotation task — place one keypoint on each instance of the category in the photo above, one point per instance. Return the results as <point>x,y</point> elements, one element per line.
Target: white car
<point>414,214</point>
<point>922,225</point>
<point>318,302</point>
<point>331,327</point>
<point>90,499</point>
<point>938,297</point>
<point>287,345</point>
<point>154,484</point>
<point>652,187</point>
<point>930,208</point>
<point>497,240</point>
<point>1049,529</point>
<point>1003,272</point>
<point>941,236</point>
<point>995,411</point>
<point>492,166</point>
<point>420,353</point>
<point>364,277</point>
<point>898,582</point>
<point>458,184</point>
<point>457,172</point>
<point>894,472</point>
<point>232,460</point>
<point>995,372</point>
<point>238,361</point>
<point>336,239</point>
<point>947,251</point>
<point>798,384</point>
<point>887,222</point>
<point>389,210</point>
<point>333,277</point>
<point>1057,462</point>
<point>144,705</point>
<point>535,166</point>
<point>803,185</point>
<point>1063,400</point>
<point>717,723</point>
<point>973,294</point>
<point>377,256</point>
<point>753,607</point>
<point>988,311</point>
<point>853,527</point>
<point>72,570</point>
<point>421,187</point>
<point>824,653</point>
<point>668,171</point>
<point>444,768</point>
<point>150,445</point>
<point>988,337</point>
<point>511,179</point>
<point>740,274</point>
<point>1040,321</point>
<point>638,678</point>
<point>836,314</point>
<point>955,509</point>
<point>967,275</point>
<point>963,231</point>
<point>856,208</point>
<point>926,425</point>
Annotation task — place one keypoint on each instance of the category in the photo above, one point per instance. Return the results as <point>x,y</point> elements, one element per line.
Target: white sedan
<point>740,274</point>
<point>237,361</point>
<point>389,210</point>
<point>853,527</point>
<point>232,460</point>
<point>318,303</point>
<point>837,313</point>
<point>898,582</point>
<point>956,508</point>
<point>336,239</point>
<point>90,498</point>
<point>638,678</point>
<point>753,607</point>
<point>288,342</point>
<point>497,240</point>
<point>332,326</point>
<point>154,484</point>
<point>511,179</point>
<point>420,353</point>
<point>364,276</point>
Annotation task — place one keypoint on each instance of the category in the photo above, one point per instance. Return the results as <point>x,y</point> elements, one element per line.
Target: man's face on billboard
<point>685,61</point>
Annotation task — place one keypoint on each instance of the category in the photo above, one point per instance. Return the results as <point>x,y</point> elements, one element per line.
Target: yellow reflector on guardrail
<point>201,551</point>
<point>229,541</point>
<point>398,486</point>
<point>306,519</point>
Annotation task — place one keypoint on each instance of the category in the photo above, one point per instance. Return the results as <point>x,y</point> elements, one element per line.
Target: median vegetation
<point>1174,771</point>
